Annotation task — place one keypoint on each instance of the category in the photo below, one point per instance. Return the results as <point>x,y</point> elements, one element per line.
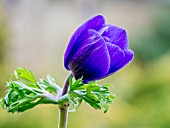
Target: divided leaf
<point>25,92</point>
<point>97,96</point>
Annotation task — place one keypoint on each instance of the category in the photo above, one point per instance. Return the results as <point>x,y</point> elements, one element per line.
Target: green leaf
<point>106,107</point>
<point>78,83</point>
<point>97,96</point>
<point>25,92</point>
<point>50,84</point>
<point>23,73</point>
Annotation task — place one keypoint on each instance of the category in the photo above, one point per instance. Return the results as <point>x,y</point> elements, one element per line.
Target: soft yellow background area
<point>35,33</point>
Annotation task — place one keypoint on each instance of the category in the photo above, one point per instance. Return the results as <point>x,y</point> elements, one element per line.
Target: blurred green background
<point>35,34</point>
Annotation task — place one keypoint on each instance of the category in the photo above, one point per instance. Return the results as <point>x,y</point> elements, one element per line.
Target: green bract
<point>25,93</point>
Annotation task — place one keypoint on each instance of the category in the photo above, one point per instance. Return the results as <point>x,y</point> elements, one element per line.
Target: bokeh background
<point>35,33</point>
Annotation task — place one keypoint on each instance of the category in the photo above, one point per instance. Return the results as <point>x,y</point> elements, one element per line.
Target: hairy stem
<point>63,108</point>
<point>63,117</point>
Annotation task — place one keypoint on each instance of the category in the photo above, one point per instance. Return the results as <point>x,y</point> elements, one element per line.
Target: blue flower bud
<point>97,50</point>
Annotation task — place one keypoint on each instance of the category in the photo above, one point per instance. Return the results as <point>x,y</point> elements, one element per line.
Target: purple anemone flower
<point>97,50</point>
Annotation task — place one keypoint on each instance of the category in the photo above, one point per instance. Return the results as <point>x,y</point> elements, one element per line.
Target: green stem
<point>63,108</point>
<point>63,114</point>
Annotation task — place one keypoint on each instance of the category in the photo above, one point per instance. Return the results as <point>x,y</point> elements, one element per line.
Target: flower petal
<point>93,23</point>
<point>129,54</point>
<point>88,37</point>
<point>91,62</point>
<point>117,36</point>
<point>116,56</point>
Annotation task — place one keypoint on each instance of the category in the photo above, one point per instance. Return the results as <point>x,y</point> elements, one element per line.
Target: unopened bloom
<point>97,50</point>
